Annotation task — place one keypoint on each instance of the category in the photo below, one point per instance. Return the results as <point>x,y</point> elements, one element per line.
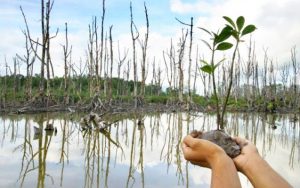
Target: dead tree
<point>121,61</point>
<point>15,86</point>
<point>44,57</point>
<point>295,71</point>
<point>284,74</point>
<point>248,70</point>
<point>29,60</point>
<point>264,78</point>
<point>67,56</point>
<point>144,45</point>
<point>134,37</point>
<point>126,74</point>
<point>191,25</point>
<point>102,41</point>
<point>111,64</point>
<point>91,60</point>
<point>96,59</point>
<point>153,81</point>
<point>181,49</point>
<point>169,60</point>
<point>195,72</point>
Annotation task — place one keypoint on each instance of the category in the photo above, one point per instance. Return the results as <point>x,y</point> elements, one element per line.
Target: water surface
<point>129,153</point>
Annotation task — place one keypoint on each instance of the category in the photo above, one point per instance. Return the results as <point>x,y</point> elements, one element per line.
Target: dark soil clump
<point>220,138</point>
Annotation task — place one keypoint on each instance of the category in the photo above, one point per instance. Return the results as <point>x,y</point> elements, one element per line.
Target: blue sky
<point>277,22</point>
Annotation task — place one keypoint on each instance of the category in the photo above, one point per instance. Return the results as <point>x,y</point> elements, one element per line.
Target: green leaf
<point>204,30</point>
<point>207,44</point>
<point>203,61</point>
<point>235,34</point>
<point>218,63</point>
<point>248,29</point>
<point>207,68</point>
<point>229,20</point>
<point>240,22</point>
<point>224,46</point>
<point>225,34</point>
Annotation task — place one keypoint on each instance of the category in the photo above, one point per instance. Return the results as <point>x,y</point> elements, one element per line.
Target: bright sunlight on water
<point>132,154</point>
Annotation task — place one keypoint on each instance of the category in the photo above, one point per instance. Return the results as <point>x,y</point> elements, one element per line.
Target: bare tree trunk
<point>67,52</point>
<point>15,79</point>
<point>191,25</point>
<point>28,60</point>
<point>144,46</point>
<point>102,41</point>
<point>153,81</point>
<point>134,36</point>
<point>196,71</point>
<point>91,61</point>
<point>120,63</point>
<point>248,71</point>
<point>295,71</point>
<point>126,76</point>
<point>264,77</point>
<point>43,56</point>
<point>97,79</point>
<point>180,62</point>
<point>45,51</point>
<point>284,73</point>
<point>111,64</point>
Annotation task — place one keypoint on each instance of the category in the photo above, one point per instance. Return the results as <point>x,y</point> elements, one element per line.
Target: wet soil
<point>220,138</point>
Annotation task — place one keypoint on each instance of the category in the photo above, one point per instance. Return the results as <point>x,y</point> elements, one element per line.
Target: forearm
<point>261,175</point>
<point>224,173</point>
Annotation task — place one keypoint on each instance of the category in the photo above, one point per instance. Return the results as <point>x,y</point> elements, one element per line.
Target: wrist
<point>217,158</point>
<point>252,162</point>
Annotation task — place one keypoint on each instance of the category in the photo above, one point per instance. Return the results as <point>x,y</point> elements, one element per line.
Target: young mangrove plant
<point>219,43</point>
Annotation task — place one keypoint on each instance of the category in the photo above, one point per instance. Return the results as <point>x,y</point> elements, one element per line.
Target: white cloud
<point>178,6</point>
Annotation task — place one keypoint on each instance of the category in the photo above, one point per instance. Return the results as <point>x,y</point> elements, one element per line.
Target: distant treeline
<point>15,91</point>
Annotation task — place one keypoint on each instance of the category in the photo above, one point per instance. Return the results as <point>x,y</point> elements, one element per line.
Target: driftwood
<point>95,121</point>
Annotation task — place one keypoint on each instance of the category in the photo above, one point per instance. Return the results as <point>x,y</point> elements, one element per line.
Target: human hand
<point>201,152</point>
<point>248,154</point>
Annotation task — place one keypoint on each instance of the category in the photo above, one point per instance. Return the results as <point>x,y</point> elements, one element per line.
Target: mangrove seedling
<point>237,31</point>
<point>219,43</point>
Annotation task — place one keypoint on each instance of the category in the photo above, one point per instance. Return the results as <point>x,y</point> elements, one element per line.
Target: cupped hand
<point>201,152</point>
<point>248,153</point>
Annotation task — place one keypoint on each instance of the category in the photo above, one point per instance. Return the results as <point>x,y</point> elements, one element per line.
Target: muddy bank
<point>116,107</point>
<point>109,107</point>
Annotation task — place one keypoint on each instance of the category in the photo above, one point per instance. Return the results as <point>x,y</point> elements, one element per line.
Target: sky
<point>277,22</point>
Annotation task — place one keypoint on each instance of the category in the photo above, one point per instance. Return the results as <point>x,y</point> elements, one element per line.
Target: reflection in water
<point>136,151</point>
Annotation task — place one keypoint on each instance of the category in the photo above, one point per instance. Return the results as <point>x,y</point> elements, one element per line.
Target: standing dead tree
<point>195,72</point>
<point>67,60</point>
<point>295,71</point>
<point>264,78</point>
<point>44,57</point>
<point>134,37</point>
<point>91,63</point>
<point>284,74</point>
<point>191,25</point>
<point>121,61</point>
<point>111,65</point>
<point>248,70</point>
<point>181,49</point>
<point>144,45</point>
<point>102,41</point>
<point>170,67</point>
<point>29,60</point>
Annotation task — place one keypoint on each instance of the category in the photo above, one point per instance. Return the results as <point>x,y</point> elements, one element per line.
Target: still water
<point>132,154</point>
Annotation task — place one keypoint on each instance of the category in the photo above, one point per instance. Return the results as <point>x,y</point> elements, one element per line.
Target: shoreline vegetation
<point>14,98</point>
